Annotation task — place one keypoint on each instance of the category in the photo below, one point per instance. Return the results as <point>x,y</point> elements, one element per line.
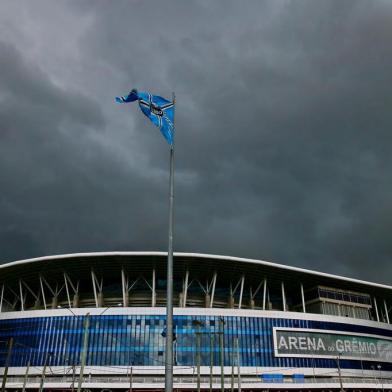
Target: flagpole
<point>169,292</point>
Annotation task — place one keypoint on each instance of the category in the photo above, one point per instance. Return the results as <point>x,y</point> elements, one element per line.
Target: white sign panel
<point>318,343</point>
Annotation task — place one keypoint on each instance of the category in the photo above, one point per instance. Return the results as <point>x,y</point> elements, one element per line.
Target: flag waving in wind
<point>159,110</point>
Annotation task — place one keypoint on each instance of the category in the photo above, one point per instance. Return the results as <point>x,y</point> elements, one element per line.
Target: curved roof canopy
<point>200,266</point>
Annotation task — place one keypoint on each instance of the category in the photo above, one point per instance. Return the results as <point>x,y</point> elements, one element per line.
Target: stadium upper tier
<point>134,279</point>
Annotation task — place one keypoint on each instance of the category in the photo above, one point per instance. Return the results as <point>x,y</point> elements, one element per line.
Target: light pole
<point>374,373</point>
<point>382,383</point>
<point>198,333</point>
<point>211,359</point>
<point>7,363</point>
<point>26,376</point>
<point>198,324</point>
<point>48,358</point>
<point>339,372</point>
<point>73,378</point>
<point>222,352</point>
<point>131,379</point>
<point>314,372</point>
<point>238,364</point>
<point>84,352</point>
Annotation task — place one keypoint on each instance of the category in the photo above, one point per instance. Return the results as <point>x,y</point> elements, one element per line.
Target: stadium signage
<point>316,343</point>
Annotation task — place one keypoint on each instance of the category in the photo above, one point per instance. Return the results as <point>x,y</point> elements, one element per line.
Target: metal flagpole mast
<point>169,292</point>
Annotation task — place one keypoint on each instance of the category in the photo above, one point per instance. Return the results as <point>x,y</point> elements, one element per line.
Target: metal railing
<point>192,380</point>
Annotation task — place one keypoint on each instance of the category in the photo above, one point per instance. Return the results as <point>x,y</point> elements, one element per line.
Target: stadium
<point>96,321</point>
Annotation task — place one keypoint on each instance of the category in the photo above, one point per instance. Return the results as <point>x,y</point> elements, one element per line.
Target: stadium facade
<point>244,324</point>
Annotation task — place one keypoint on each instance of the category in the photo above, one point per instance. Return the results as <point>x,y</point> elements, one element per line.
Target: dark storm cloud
<point>59,187</point>
<point>283,130</point>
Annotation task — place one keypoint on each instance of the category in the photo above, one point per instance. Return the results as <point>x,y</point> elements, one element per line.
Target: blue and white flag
<point>159,110</point>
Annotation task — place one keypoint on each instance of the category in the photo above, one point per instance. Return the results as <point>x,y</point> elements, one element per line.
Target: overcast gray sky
<point>284,130</point>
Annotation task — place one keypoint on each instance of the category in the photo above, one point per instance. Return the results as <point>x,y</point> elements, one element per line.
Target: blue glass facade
<point>121,340</point>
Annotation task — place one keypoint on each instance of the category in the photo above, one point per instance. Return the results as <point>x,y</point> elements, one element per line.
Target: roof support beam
<point>213,289</point>
<point>48,285</point>
<point>232,291</point>
<point>18,297</point>
<point>386,311</point>
<point>74,288</point>
<point>283,297</point>
<point>203,289</point>
<point>1,298</point>
<point>241,291</point>
<point>68,284</point>
<point>54,291</point>
<point>240,284</point>
<point>376,308</point>
<point>97,293</point>
<point>124,285</point>
<point>264,292</point>
<point>303,298</point>
<point>153,289</point>
<point>12,305</point>
<point>127,287</point>
<point>253,294</point>
<point>94,288</point>
<point>21,296</point>
<point>42,291</point>
<point>67,291</point>
<point>133,284</point>
<point>36,296</point>
<point>208,290</point>
<point>185,288</point>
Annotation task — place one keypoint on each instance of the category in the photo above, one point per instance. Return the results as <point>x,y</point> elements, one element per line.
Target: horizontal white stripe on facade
<point>161,311</point>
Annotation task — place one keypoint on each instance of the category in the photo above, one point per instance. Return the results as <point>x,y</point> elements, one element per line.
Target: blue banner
<point>159,110</point>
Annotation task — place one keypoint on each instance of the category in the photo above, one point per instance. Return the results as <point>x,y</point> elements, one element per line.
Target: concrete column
<point>37,304</point>
<point>54,302</point>
<point>100,300</point>
<point>181,300</point>
<point>75,302</point>
<point>230,302</point>
<point>207,300</point>
<point>252,303</point>
<point>126,300</point>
